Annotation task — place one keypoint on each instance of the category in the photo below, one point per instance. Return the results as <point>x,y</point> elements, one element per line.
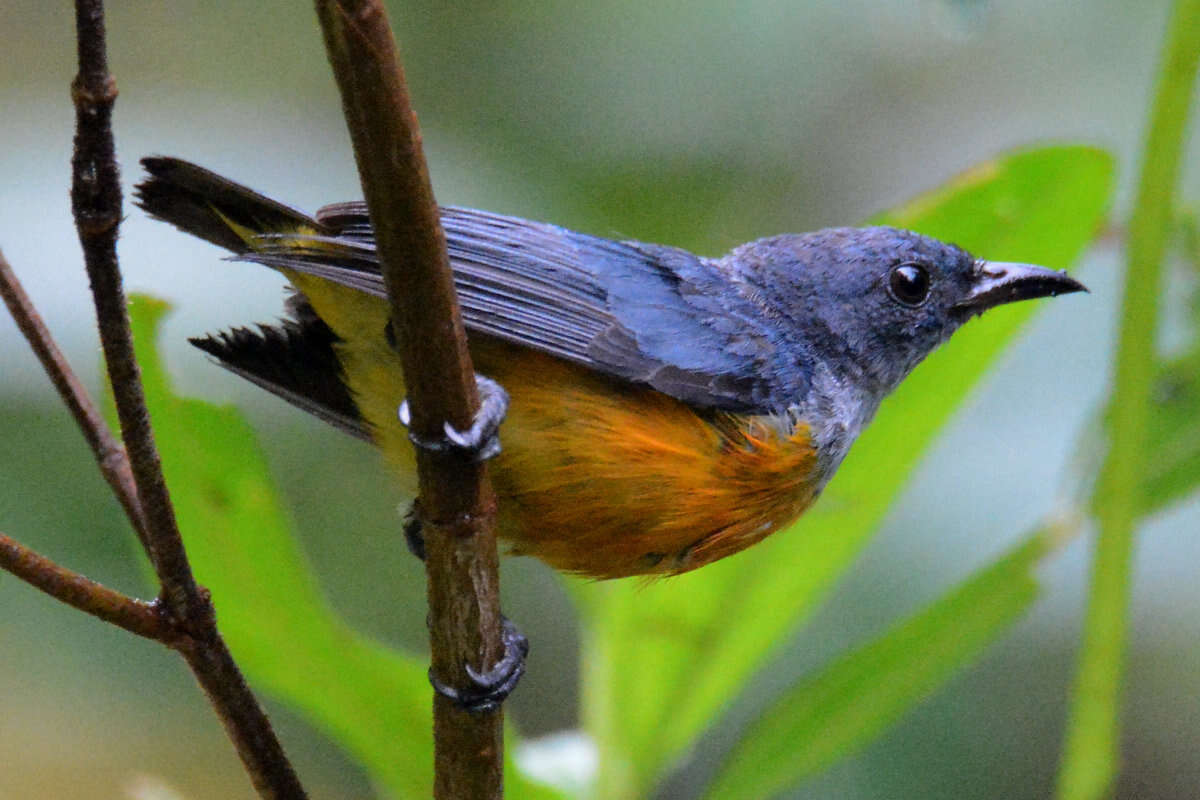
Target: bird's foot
<point>488,689</point>
<point>477,443</point>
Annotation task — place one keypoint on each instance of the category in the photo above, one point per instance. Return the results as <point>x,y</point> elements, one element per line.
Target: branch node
<point>84,94</point>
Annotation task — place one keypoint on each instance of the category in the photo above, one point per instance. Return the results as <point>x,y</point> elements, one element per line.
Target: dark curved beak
<point>1000,282</point>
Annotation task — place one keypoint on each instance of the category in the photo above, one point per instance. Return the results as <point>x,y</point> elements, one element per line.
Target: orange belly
<point>610,480</point>
<point>596,477</point>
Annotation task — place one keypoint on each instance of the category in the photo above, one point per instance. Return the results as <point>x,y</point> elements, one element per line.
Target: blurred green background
<point>700,125</point>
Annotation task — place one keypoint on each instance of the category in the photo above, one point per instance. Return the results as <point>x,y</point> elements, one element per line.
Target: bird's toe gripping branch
<point>488,689</point>
<point>479,442</point>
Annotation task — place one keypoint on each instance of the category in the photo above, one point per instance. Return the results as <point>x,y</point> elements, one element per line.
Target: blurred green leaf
<point>849,702</point>
<point>1189,240</point>
<point>1173,435</point>
<point>1173,432</point>
<point>662,660</point>
<point>373,701</point>
<point>1091,748</point>
<point>1174,427</point>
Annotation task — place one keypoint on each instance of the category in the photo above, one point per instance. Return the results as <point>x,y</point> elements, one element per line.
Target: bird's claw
<point>489,688</point>
<point>479,442</point>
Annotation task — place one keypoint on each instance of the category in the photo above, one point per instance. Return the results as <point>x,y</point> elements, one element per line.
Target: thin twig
<point>96,203</point>
<point>135,616</point>
<point>110,455</point>
<point>457,505</point>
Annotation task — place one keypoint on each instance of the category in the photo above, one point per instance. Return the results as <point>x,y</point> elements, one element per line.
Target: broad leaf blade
<point>856,697</point>
<point>664,659</point>
<point>375,702</point>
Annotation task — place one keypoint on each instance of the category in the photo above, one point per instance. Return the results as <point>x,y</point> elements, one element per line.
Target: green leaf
<point>375,702</point>
<point>1173,432</point>
<point>853,699</point>
<point>662,660</point>
<point>1173,435</point>
<point>1090,753</point>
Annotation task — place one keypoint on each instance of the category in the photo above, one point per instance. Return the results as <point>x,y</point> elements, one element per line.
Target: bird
<point>667,410</point>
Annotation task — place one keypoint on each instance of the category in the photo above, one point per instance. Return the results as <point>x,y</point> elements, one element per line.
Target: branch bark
<point>195,637</point>
<point>135,616</point>
<point>96,204</point>
<point>457,505</point>
<point>110,455</point>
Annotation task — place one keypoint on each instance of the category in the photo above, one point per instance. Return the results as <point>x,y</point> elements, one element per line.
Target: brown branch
<point>245,722</point>
<point>457,504</point>
<point>110,455</point>
<point>209,658</point>
<point>135,616</point>
<point>96,204</point>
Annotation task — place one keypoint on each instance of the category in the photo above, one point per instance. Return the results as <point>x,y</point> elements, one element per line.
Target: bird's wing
<point>645,313</point>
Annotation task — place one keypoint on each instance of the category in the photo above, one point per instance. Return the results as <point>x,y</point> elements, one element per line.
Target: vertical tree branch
<point>457,503</point>
<point>96,203</point>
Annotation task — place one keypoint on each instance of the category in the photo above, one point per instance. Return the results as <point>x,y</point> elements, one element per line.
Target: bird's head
<point>873,302</point>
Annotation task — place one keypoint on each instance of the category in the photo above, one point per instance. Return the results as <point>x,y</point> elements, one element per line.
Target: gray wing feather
<point>646,313</point>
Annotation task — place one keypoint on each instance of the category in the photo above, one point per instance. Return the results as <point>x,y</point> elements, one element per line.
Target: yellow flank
<point>370,365</point>
<point>596,477</point>
<point>251,235</point>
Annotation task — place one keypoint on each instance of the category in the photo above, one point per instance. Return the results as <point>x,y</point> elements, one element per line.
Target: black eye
<point>909,284</point>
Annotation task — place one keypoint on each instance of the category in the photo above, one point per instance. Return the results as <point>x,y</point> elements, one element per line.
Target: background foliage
<point>696,128</point>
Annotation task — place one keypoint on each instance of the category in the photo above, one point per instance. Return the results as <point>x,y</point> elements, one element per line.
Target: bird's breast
<point>609,480</point>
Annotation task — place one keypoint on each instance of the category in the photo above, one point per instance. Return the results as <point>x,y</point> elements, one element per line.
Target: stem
<point>110,455</point>
<point>135,616</point>
<point>1091,749</point>
<point>457,504</point>
<point>96,203</point>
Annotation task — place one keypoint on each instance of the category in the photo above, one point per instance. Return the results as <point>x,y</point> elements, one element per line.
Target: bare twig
<point>96,203</point>
<point>135,616</point>
<point>457,504</point>
<point>196,639</point>
<point>110,455</point>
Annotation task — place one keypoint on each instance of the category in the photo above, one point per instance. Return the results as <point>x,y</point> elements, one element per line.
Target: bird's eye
<point>909,284</point>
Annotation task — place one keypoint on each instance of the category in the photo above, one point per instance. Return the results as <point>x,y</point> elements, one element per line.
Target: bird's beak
<point>999,282</point>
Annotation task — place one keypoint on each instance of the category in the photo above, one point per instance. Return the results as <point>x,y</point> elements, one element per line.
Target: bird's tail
<point>213,208</point>
<point>295,358</point>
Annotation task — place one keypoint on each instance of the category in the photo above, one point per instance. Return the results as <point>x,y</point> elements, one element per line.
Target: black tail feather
<point>294,360</point>
<point>203,204</point>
